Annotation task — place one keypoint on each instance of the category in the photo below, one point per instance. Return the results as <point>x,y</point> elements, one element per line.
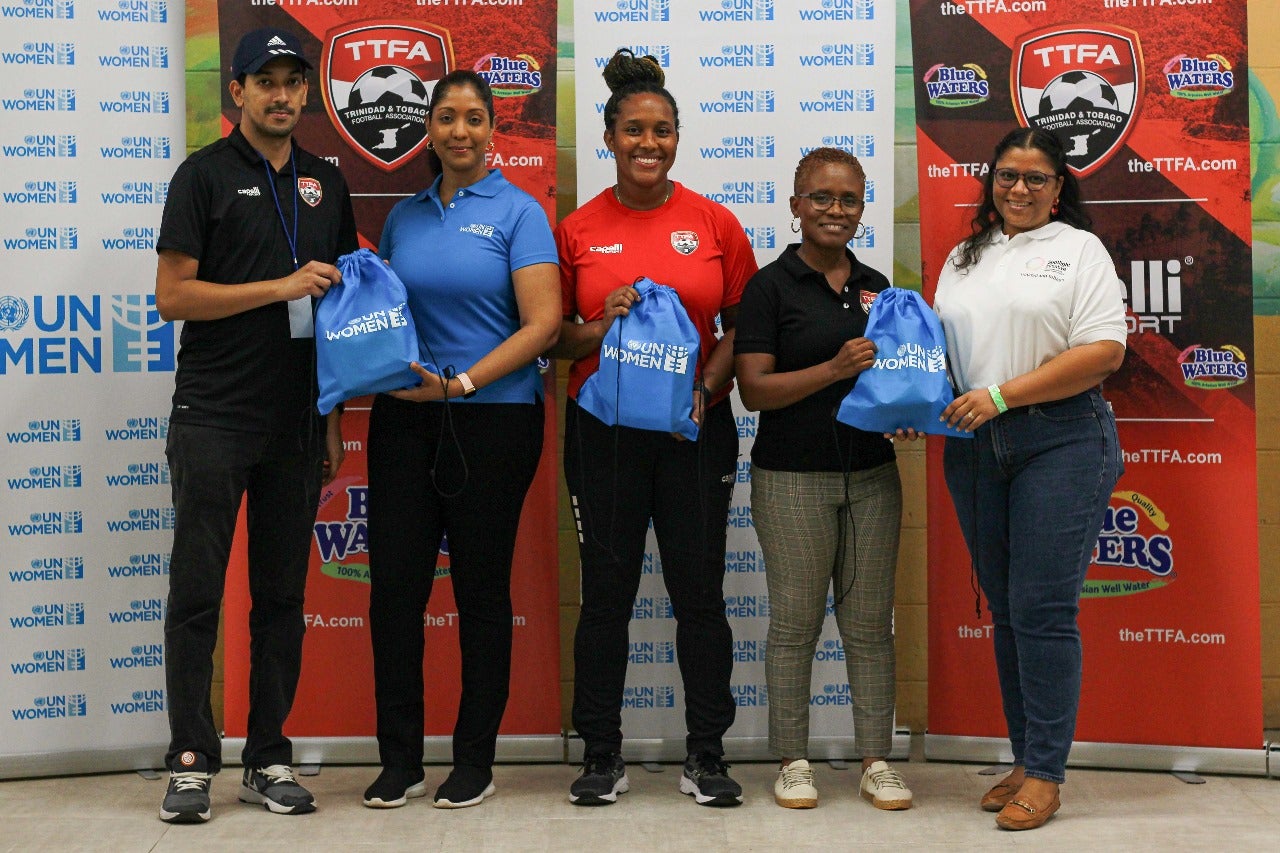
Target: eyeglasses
<point>822,201</point>
<point>1034,181</point>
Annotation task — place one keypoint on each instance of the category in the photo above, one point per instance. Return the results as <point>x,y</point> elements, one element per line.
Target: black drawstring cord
<point>846,523</point>
<point>973,531</point>
<point>446,373</point>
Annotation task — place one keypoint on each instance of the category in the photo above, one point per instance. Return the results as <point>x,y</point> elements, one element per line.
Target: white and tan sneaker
<point>794,787</point>
<point>884,788</point>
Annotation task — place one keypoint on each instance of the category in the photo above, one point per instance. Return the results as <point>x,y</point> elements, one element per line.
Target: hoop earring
<point>1054,210</point>
<point>795,225</point>
<point>489,147</point>
<point>860,231</point>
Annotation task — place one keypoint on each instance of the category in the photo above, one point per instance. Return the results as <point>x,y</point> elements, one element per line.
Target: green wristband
<point>997,398</point>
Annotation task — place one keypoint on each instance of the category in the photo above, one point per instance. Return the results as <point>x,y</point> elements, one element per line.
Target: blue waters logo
<point>841,101</point>
<point>138,192</point>
<point>142,520</point>
<point>154,564</point>
<point>841,55</point>
<point>36,146</point>
<point>141,474</point>
<point>652,607</point>
<point>138,148</point>
<point>48,477</point>
<point>739,56</point>
<point>52,707</point>
<point>58,615</point>
<point>41,53</point>
<point>51,661</point>
<point>657,696</point>
<point>39,10</point>
<point>336,540</point>
<point>662,651</point>
<point>45,569</point>
<point>141,342</point>
<point>635,12</point>
<point>136,12</point>
<point>741,148</point>
<point>745,192</point>
<point>140,702</point>
<point>49,431</point>
<point>838,10</point>
<point>762,236</point>
<point>52,523</point>
<point>136,56</point>
<point>140,610</point>
<point>144,428</point>
<point>139,657</point>
<point>738,10</point>
<point>741,101</point>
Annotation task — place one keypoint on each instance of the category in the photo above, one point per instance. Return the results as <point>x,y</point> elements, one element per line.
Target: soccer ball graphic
<point>1078,90</point>
<point>388,84</point>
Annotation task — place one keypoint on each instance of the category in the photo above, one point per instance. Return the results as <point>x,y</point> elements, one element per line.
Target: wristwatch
<point>468,387</point>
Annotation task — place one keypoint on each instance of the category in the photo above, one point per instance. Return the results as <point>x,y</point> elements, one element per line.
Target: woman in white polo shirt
<point>1034,320</point>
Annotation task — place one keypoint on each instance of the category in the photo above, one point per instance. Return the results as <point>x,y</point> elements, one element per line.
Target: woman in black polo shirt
<point>825,497</point>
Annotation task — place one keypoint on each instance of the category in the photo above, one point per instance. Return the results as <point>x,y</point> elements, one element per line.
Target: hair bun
<point>625,68</point>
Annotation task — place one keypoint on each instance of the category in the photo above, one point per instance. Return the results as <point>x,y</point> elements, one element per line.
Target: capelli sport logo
<point>1083,83</point>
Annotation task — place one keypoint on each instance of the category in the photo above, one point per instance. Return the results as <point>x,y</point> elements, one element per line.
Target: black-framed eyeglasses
<point>1034,181</point>
<point>822,201</point>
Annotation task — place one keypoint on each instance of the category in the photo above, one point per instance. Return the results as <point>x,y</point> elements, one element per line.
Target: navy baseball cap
<point>259,47</point>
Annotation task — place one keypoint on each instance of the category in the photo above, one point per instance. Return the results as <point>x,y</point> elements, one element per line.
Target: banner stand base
<point>1114,756</point>
<point>512,749</point>
<point>77,762</point>
<point>672,750</point>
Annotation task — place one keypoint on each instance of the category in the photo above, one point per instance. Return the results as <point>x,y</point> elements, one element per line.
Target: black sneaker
<point>187,799</point>
<point>275,788</point>
<point>706,777</point>
<point>466,786</point>
<point>394,786</point>
<point>604,777</point>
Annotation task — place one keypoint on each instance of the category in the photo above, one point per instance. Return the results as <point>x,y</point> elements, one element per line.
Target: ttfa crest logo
<point>1083,84</point>
<point>377,78</point>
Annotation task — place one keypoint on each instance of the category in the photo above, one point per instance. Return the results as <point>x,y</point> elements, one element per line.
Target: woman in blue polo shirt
<point>457,454</point>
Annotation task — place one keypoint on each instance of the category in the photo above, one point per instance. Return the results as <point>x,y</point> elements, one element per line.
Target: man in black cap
<point>251,229</point>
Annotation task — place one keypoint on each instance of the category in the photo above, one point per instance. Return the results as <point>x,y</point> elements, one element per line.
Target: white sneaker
<point>794,788</point>
<point>884,788</point>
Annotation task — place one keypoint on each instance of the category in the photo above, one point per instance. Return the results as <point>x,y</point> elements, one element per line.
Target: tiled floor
<point>1102,810</point>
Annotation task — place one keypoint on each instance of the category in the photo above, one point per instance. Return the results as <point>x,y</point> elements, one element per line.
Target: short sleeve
<point>531,238</point>
<point>757,325</point>
<point>186,213</point>
<point>739,258</point>
<point>568,271</point>
<point>1097,310</point>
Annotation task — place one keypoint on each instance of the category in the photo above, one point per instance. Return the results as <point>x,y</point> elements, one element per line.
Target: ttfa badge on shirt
<point>684,242</point>
<point>310,190</point>
<point>865,298</point>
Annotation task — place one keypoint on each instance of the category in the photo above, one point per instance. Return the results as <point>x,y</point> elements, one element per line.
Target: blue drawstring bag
<point>365,337</point>
<point>647,362</point>
<point>908,386</point>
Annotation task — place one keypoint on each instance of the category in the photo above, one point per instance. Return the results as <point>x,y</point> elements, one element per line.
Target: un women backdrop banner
<point>376,62</point>
<point>1152,103</point>
<point>91,113</point>
<point>759,84</point>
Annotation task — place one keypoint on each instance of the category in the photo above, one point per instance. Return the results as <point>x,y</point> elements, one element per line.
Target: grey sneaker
<point>603,778</point>
<point>275,788</point>
<point>187,798</point>
<point>706,779</point>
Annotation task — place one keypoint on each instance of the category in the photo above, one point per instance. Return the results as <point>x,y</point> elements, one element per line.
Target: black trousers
<point>210,471</point>
<point>620,478</point>
<point>471,487</point>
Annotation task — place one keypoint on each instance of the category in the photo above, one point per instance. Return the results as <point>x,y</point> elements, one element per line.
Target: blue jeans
<point>1031,491</point>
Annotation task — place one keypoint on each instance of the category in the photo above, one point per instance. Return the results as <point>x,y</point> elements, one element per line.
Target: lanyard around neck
<point>271,182</point>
